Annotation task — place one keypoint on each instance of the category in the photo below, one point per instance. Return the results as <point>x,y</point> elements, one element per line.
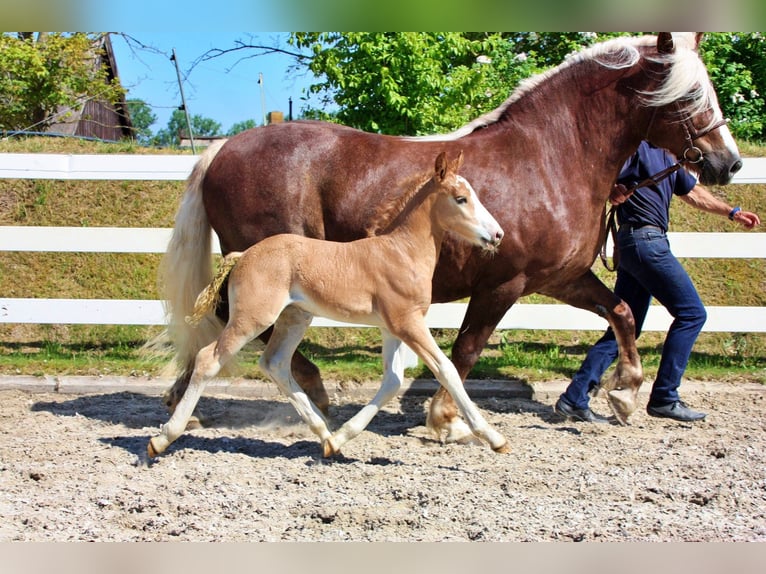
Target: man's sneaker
<point>676,410</point>
<point>586,415</point>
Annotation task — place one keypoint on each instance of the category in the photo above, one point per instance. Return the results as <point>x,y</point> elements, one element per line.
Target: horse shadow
<point>139,411</point>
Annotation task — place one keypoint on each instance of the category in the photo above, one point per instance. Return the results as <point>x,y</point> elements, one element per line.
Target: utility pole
<point>183,101</point>
<point>263,97</point>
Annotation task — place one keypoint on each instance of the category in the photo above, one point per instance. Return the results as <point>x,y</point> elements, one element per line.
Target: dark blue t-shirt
<point>650,205</point>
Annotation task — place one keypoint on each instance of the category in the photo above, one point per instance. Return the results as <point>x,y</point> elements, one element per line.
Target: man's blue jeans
<point>647,269</point>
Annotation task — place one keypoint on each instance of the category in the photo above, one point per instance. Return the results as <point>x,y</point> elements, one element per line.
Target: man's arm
<point>701,198</point>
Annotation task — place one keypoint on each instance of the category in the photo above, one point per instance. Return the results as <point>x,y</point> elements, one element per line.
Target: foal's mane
<point>387,213</point>
<point>686,79</point>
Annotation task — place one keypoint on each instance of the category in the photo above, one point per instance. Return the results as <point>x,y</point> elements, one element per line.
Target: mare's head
<point>685,117</point>
<point>457,207</point>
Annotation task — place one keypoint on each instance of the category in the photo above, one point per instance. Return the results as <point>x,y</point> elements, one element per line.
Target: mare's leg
<point>275,361</point>
<point>208,363</point>
<point>588,292</point>
<point>393,376</point>
<point>485,309</point>
<point>418,337</point>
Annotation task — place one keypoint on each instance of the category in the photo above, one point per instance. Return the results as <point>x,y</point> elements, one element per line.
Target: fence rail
<point>154,240</point>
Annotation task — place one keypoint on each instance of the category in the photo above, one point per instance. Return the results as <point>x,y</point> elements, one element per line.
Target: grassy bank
<point>344,354</point>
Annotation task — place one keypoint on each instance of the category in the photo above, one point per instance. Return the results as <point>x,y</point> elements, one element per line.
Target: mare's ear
<point>665,43</point>
<point>698,39</point>
<point>458,162</point>
<point>441,166</point>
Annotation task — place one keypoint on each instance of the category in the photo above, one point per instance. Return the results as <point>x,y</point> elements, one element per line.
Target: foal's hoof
<point>329,449</point>
<point>504,448</point>
<point>623,403</point>
<point>151,450</point>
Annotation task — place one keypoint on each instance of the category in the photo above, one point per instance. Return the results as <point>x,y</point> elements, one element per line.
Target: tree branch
<point>240,46</point>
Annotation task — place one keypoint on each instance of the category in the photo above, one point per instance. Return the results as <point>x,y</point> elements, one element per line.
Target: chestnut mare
<point>385,280</point>
<point>543,163</point>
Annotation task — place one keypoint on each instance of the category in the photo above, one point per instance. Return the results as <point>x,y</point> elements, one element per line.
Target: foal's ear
<point>665,43</point>
<point>441,166</point>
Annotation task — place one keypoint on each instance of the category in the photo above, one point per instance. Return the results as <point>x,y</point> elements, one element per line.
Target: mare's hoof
<point>623,404</point>
<point>194,422</point>
<point>504,448</point>
<point>458,432</point>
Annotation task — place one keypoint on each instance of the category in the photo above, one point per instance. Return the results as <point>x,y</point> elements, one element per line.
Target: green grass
<point>342,354</point>
<point>354,355</point>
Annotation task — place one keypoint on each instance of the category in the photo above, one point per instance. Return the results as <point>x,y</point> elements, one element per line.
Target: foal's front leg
<point>419,338</point>
<point>393,376</point>
<point>484,311</point>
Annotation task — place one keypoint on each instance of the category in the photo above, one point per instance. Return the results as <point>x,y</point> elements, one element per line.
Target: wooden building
<point>98,119</point>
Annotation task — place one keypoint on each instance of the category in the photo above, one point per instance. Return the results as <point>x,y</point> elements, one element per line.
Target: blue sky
<point>225,89</point>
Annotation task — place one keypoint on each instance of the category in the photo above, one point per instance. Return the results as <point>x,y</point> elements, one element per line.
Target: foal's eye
<point>461,199</point>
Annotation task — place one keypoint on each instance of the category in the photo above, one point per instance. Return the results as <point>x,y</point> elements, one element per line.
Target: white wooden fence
<point>154,240</point>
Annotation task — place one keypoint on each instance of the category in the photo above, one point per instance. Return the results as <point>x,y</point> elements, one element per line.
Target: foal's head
<point>457,207</point>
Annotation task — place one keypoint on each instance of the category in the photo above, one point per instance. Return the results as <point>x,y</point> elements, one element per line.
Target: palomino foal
<point>383,280</point>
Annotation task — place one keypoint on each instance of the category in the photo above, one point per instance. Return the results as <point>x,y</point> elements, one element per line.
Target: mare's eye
<point>461,199</point>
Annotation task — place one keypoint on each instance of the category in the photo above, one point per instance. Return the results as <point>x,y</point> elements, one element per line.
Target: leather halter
<point>690,154</point>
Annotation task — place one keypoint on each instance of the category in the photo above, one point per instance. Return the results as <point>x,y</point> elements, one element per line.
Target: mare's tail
<point>187,267</point>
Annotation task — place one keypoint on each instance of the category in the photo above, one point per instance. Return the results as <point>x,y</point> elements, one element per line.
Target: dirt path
<point>70,469</point>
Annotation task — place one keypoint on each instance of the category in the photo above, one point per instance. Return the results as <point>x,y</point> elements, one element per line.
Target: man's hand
<point>619,194</point>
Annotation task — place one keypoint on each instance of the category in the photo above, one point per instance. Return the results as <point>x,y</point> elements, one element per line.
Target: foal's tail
<point>208,299</point>
<point>186,269</point>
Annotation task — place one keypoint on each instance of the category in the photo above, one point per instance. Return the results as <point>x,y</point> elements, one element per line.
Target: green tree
<point>45,73</point>
<point>142,117</point>
<point>400,82</point>
<point>201,126</point>
<point>241,127</point>
<point>737,66</point>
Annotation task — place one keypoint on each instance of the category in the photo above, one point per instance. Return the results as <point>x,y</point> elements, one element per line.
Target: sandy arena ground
<point>72,467</point>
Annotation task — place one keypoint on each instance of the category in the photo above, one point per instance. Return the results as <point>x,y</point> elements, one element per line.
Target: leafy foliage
<point>405,82</point>
<point>201,126</point>
<point>737,67</point>
<point>425,82</point>
<point>44,73</point>
<point>142,118</point>
<point>241,126</point>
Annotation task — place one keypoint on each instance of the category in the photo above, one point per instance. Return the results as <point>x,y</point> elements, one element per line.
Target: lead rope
<point>611,225</point>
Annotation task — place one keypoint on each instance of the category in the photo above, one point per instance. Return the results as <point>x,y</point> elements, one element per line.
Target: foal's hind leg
<point>305,372</point>
<point>393,375</point>
<point>275,361</point>
<point>184,407</point>
<point>208,363</point>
